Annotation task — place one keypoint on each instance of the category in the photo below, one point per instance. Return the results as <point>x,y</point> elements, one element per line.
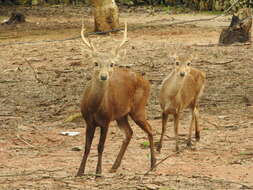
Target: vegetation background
<point>214,5</point>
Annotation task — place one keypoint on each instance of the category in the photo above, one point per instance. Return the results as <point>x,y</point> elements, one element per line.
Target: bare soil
<point>32,113</point>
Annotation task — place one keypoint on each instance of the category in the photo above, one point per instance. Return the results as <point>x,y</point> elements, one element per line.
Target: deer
<point>113,93</point>
<point>181,89</point>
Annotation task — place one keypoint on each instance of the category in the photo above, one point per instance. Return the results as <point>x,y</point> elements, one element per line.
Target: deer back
<point>192,88</point>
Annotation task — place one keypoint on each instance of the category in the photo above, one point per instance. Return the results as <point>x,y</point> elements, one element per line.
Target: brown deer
<point>113,94</point>
<point>181,89</point>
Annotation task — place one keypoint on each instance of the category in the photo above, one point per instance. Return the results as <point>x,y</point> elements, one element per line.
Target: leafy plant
<point>145,144</point>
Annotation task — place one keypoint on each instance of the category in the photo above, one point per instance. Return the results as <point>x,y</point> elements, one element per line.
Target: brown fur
<point>178,93</point>
<point>124,94</point>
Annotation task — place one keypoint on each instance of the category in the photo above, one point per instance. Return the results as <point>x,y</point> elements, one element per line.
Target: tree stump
<point>15,18</point>
<point>239,29</point>
<point>106,15</point>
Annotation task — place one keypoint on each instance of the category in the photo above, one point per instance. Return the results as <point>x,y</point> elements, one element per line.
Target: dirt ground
<point>32,113</point>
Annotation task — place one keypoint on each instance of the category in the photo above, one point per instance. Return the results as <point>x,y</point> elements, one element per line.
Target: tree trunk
<point>106,15</point>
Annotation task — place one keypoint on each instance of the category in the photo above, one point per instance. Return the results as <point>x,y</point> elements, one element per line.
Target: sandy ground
<point>35,156</point>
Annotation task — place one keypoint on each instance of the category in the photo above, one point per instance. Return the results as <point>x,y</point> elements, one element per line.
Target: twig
<point>34,72</point>
<point>209,122</point>
<point>217,63</point>
<point>21,139</point>
<point>161,161</point>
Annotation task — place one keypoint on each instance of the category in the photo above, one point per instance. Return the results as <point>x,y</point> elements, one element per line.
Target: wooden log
<point>239,29</point>
<point>15,18</point>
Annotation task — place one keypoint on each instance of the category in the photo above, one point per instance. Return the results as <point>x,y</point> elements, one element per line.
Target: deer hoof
<point>197,136</point>
<point>158,147</point>
<point>112,170</point>
<point>189,143</point>
<point>79,174</point>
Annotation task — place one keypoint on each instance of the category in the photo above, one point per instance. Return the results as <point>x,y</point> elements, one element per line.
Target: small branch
<point>217,63</point>
<point>209,122</point>
<point>21,139</point>
<point>35,73</point>
<point>161,161</point>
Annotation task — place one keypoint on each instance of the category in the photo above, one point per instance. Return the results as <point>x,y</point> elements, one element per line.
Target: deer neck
<point>173,84</point>
<point>97,93</point>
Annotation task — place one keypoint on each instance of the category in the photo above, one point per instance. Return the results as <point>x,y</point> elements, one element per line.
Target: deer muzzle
<point>103,76</point>
<point>182,74</point>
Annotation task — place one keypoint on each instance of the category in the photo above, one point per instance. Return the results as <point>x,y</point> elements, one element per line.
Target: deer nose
<point>103,77</point>
<point>182,74</point>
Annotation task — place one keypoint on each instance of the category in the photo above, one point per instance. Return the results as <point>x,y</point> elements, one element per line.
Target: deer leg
<point>103,134</point>
<point>125,127</point>
<point>197,130</point>
<point>191,127</point>
<point>165,117</point>
<point>176,123</point>
<point>141,121</point>
<point>90,130</point>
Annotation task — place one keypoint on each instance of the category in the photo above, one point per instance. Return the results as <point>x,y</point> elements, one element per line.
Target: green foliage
<point>246,153</point>
<point>176,9</point>
<point>211,12</point>
<point>145,144</point>
<point>172,6</point>
<point>2,18</point>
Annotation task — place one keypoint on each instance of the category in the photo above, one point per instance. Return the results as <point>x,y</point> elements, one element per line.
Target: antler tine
<point>124,38</point>
<point>86,42</point>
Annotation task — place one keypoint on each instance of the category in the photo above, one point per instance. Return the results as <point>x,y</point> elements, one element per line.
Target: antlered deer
<point>181,89</point>
<point>113,94</point>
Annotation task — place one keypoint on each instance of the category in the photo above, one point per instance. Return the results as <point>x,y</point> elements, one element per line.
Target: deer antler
<point>124,39</point>
<point>86,41</point>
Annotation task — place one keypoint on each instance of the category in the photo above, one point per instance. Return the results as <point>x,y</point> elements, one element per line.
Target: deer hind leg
<point>197,129</point>
<point>125,127</point>
<point>103,134</point>
<point>165,117</point>
<point>189,141</point>
<point>90,130</point>
<point>140,120</point>
<point>176,124</point>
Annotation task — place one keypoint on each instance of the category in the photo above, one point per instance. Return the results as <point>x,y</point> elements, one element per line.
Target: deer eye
<point>111,65</point>
<point>177,63</point>
<point>96,64</point>
<point>188,64</point>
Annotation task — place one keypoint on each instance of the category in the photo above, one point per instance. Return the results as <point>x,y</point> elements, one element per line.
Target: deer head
<point>103,61</point>
<point>181,65</point>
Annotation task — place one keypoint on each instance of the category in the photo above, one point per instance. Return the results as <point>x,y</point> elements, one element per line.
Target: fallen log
<point>239,29</point>
<point>15,18</point>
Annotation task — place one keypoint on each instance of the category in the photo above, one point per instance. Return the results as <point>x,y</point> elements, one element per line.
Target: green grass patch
<point>2,18</point>
<point>145,144</point>
<point>246,153</point>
